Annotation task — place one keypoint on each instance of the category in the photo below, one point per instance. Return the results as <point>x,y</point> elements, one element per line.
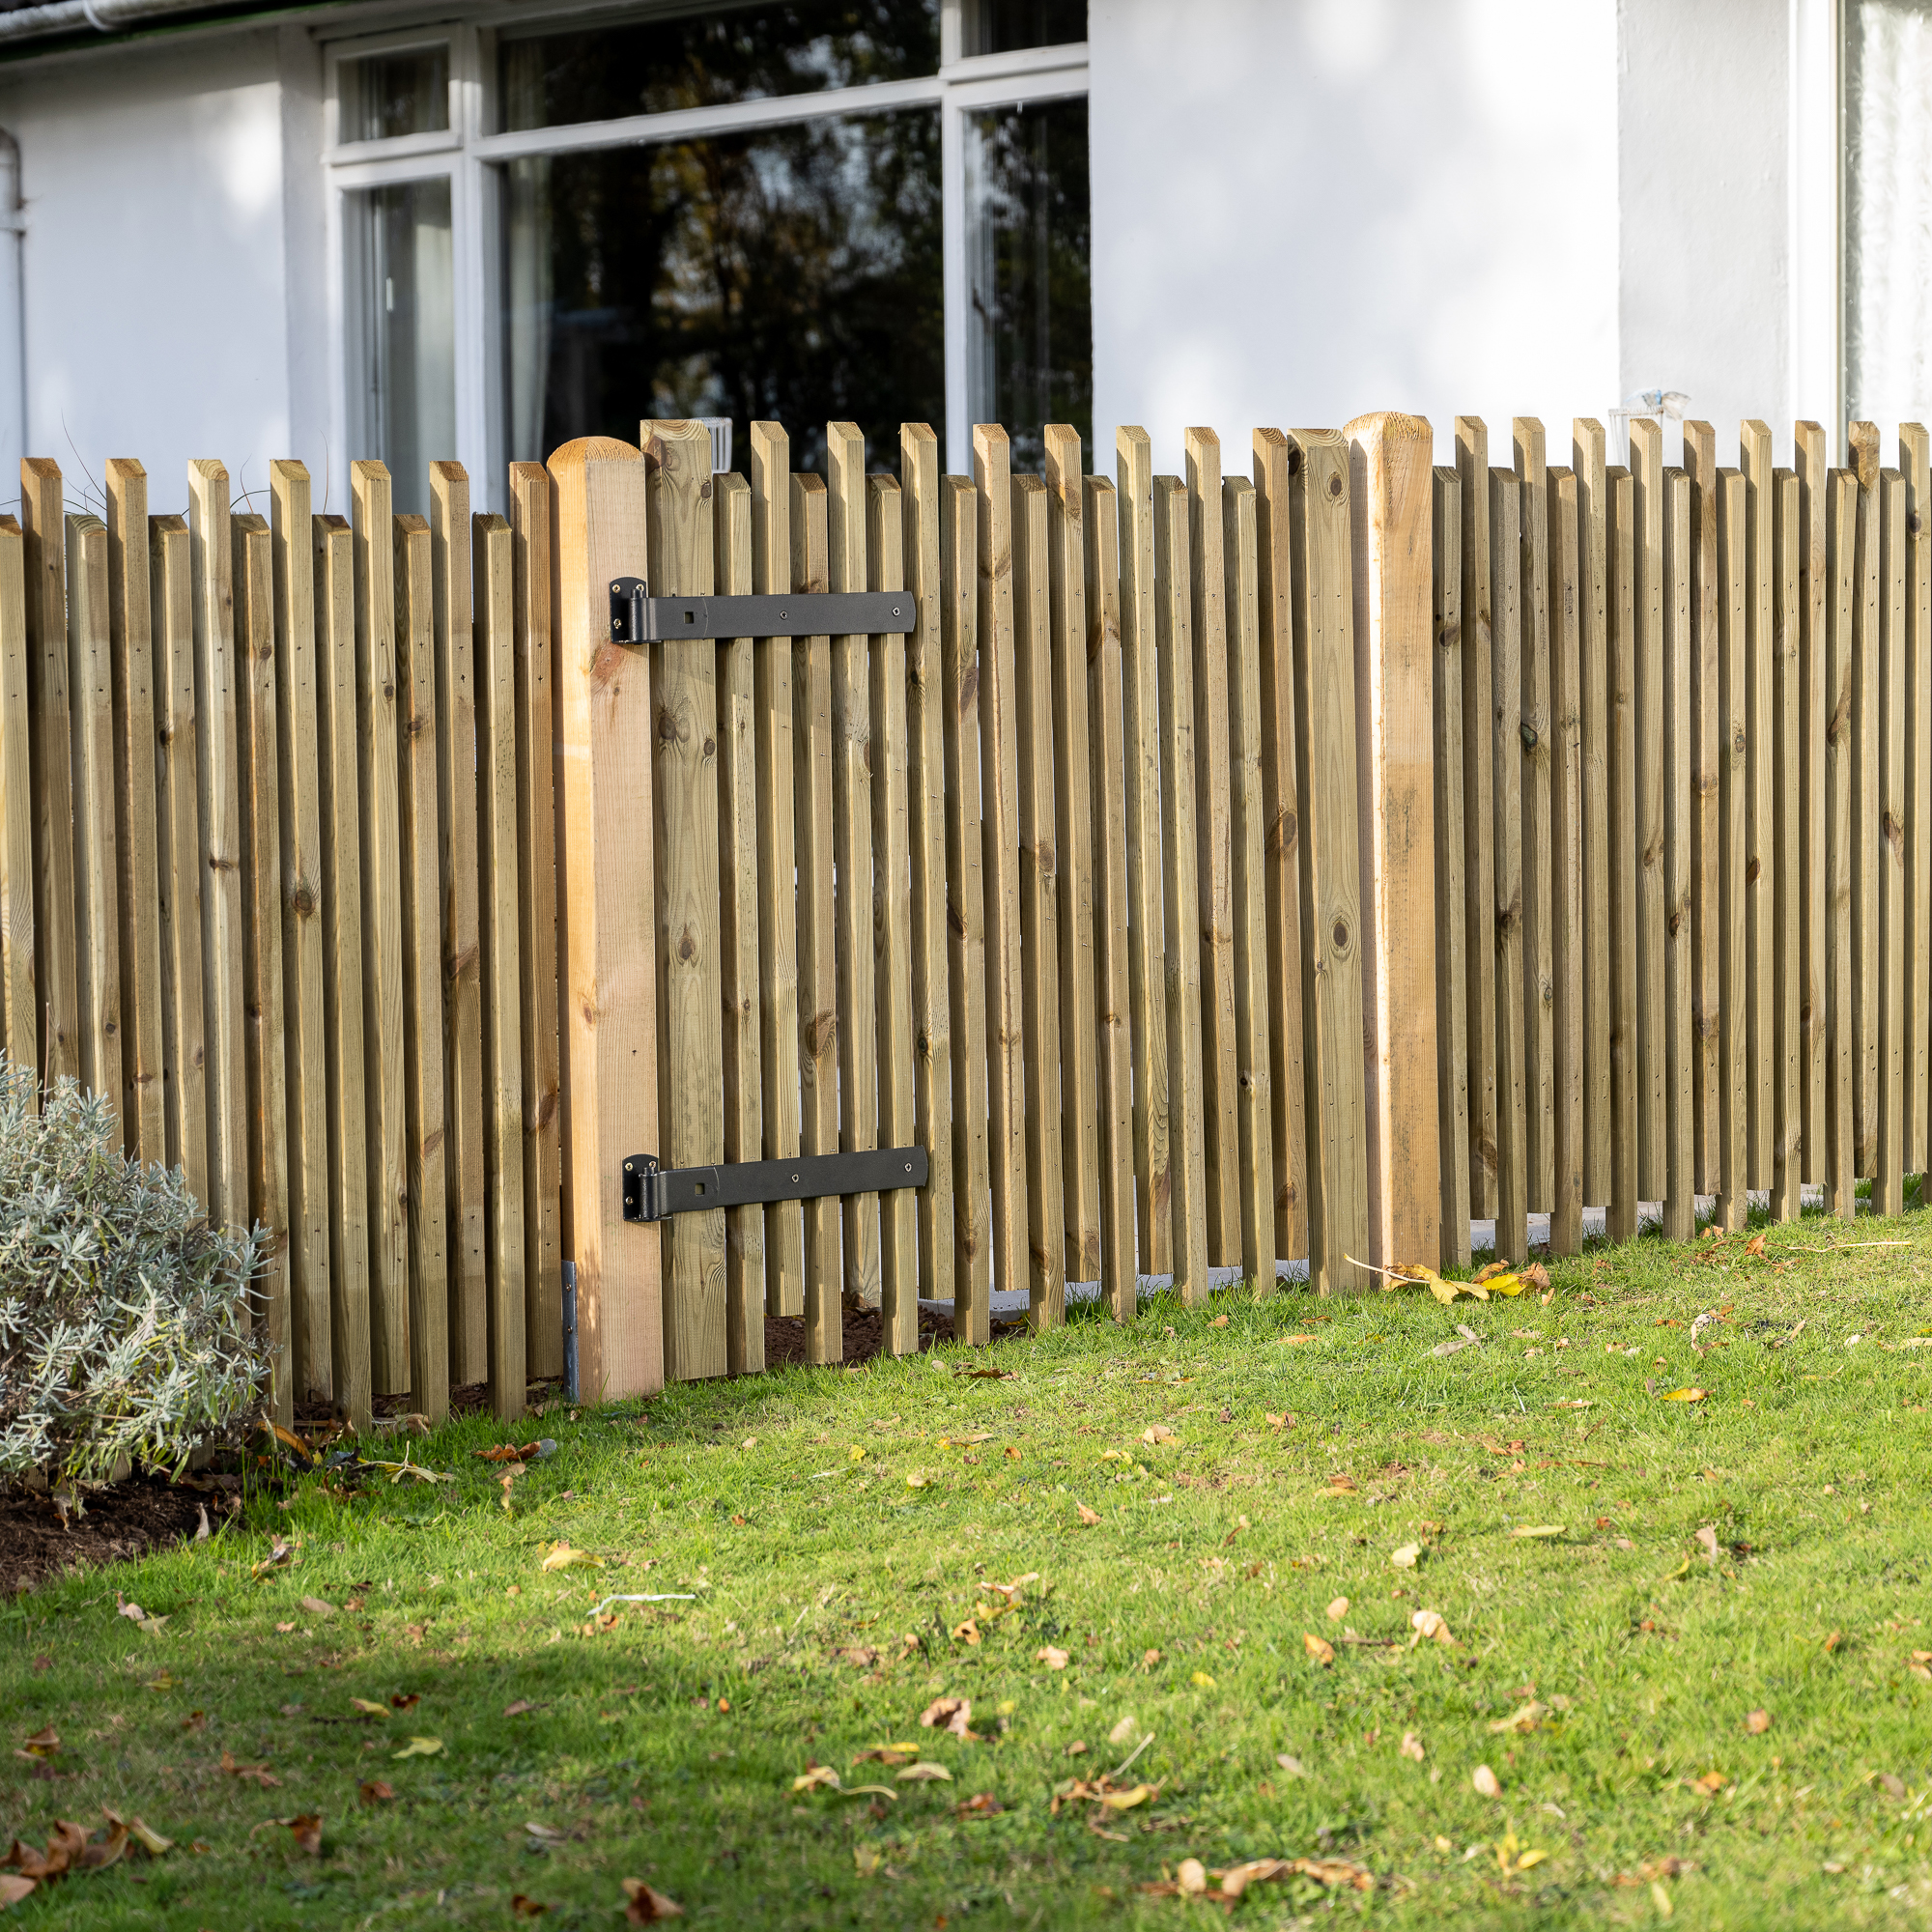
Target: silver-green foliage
<point>124,1320</point>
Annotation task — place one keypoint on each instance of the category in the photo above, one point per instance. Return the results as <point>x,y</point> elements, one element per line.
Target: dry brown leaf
<point>1338,1609</point>
<point>1428,1624</point>
<point>1707,1541</point>
<point>1088,1518</point>
<point>1758,1722</point>
<point>1755,1246</point>
<point>373,1791</point>
<point>1485,1782</point>
<point>1318,1648</point>
<point>1833,1641</point>
<point>1052,1655</point>
<point>1411,1746</point>
<point>1711,1783</point>
<point>318,1606</point>
<point>13,1888</point>
<point>1191,1877</point>
<point>814,1777</point>
<point>259,1773</point>
<point>949,1714</point>
<point>647,1905</point>
<point>1158,1431</point>
<point>967,1632</point>
<point>526,1908</point>
<point>42,1744</point>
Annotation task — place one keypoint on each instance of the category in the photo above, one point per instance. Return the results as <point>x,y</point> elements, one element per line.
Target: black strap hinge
<point>652,1193</point>
<point>637,617</point>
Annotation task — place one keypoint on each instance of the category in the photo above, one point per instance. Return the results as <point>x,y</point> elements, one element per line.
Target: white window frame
<point>471,159</point>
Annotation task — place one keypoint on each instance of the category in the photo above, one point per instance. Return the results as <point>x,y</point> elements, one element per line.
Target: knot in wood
<point>303,899</point>
<point>1340,935</point>
<point>1528,735</point>
<point>1335,485</point>
<point>670,727</point>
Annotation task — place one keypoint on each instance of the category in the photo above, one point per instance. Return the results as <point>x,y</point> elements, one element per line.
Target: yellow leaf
<point>1529,1858</point>
<point>420,1747</point>
<point>1125,1801</point>
<point>1526,1717</point>
<point>1682,1395</point>
<point>820,1775</point>
<point>368,1708</point>
<point>1505,1284</point>
<point>1204,1681</point>
<point>1660,1898</point>
<point>561,1556</point>
<point>1158,1432</point>
<point>855,1454</point>
<point>1318,1648</point>
<point>1407,1556</point>
<point>916,1478</point>
<point>867,1858</point>
<point>1538,1529</point>
<point>925,1773</point>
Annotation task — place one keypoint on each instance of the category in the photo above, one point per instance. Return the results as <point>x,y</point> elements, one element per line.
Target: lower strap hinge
<point>653,1193</point>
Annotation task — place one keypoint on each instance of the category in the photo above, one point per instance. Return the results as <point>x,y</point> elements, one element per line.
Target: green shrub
<point>124,1320</point>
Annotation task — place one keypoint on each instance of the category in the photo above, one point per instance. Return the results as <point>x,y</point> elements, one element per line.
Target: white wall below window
<point>1304,210</point>
<point>154,263</point>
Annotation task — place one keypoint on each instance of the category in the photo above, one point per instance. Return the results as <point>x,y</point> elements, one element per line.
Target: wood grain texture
<point>1915,462</point>
<point>97,866</point>
<point>130,646</point>
<point>1333,1070</point>
<point>1452,1018</point>
<point>738,927</point>
<point>210,566</point>
<point>464,1160</point>
<point>532,540</point>
<point>1565,847</point>
<point>1213,857</point>
<point>1391,482</point>
<point>965,906</point>
<point>1248,719</point>
<point>1040,901</point>
<point>1506,845</point>
<point>691,1042</point>
<point>606,840</point>
<point>1815,492</point>
<point>1282,836</point>
<point>1479,865</point>
<point>1841,620</point>
<point>305,1023</point>
<point>1620,690</point>
<point>44,533</point>
<point>1761,853</point>
<point>1648,492</point>
<point>1733,844</point>
<point>1700,466</point>
<point>20,1004</point>
<point>1680,1059</point>
<point>1073,847</point>
<point>1538,990</point>
<point>1140,711</point>
<point>1113,1001</point>
<point>778,884</point>
<point>332,570</point>
<point>1866,711</point>
<point>999,793</point>
<point>893,919</point>
<point>852,788</point>
<point>818,1012</point>
<point>1180,900</point>
<point>926,740</point>
<point>1788,847</point>
<point>493,601</point>
<point>431,1313</point>
<point>385,1093</point>
<point>264,1047</point>
<point>1593,727</point>
<point>1889,965</point>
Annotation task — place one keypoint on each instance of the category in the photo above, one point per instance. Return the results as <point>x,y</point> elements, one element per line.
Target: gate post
<point>606,887</point>
<point>1391,481</point>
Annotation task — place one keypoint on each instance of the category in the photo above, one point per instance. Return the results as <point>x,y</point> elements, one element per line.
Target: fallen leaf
<point>1538,1529</point>
<point>926,1772</point>
<point>1428,1624</point>
<point>1290,1764</point>
<point>518,1709</point>
<point>1682,1395</point>
<point>1088,1518</point>
<point>1526,1717</point>
<point>1411,1746</point>
<point>42,1744</point>
<point>318,1606</point>
<point>526,1908</point>
<point>818,1776</point>
<point>561,1556</point>
<point>1203,1682</point>
<point>1407,1556</point>
<point>868,1859</point>
<point>1485,1782</point>
<point>967,1632</point>
<point>1338,1609</point>
<point>308,1831</point>
<point>1711,1783</point>
<point>1707,1541</point>
<point>1050,1654</point>
<point>1191,1877</point>
<point>949,1714</point>
<point>648,1905</point>
<point>368,1708</point>
<point>916,1478</point>
<point>1755,1246</point>
<point>1758,1722</point>
<point>1158,1432</point>
<point>1318,1648</point>
<point>1833,1641</point>
<point>375,1792</point>
<point>277,1558</point>
<point>420,1747</point>
<point>1289,1341</point>
<point>1125,1801</point>
<point>13,1888</point>
<point>260,1774</point>
<point>981,1804</point>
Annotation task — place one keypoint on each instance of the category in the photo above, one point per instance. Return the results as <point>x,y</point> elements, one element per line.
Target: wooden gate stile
<point>1593,729</point>
<point>1787,929</point>
<point>1700,466</point>
<point>1677,728</point>
<point>1915,462</point>
<point>1647,558</point>
<point>1733,816</point>
<point>1248,719</point>
<point>1505,524</point>
<point>1620,654</point>
<point>1534,724</point>
<point>1842,618</point>
<point>1566,856</point>
<point>745,1278</point>
<point>1451,1013</point>
<point>1863,442</point>
<point>20,1004</point>
<point>130,633</point>
<point>891,918</point>
<point>1886,829</point>
<point>1814,589</point>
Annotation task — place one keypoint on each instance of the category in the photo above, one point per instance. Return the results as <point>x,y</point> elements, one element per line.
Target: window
<point>1888,210</point>
<point>800,209</point>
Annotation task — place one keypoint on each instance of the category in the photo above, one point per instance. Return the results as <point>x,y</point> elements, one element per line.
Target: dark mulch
<point>864,1336</point>
<point>126,1519</point>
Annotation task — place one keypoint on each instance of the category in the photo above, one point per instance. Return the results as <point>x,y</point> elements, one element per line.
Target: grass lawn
<point>843,1538</point>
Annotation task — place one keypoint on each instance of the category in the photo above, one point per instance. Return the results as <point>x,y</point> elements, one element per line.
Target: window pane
<point>998,26</point>
<point>411,351</point>
<point>793,276</point>
<point>388,95</point>
<point>1887,210</point>
<point>704,58</point>
<point>1032,313</point>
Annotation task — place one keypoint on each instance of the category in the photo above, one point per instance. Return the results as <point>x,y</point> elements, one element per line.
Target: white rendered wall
<point>155,321</point>
<point>1304,210</point>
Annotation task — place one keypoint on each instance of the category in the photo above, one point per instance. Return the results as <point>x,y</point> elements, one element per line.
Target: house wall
<point>1306,211</point>
<point>154,262</point>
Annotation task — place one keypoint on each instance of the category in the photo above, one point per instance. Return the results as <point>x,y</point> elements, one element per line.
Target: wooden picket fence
<point>1223,869</point>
